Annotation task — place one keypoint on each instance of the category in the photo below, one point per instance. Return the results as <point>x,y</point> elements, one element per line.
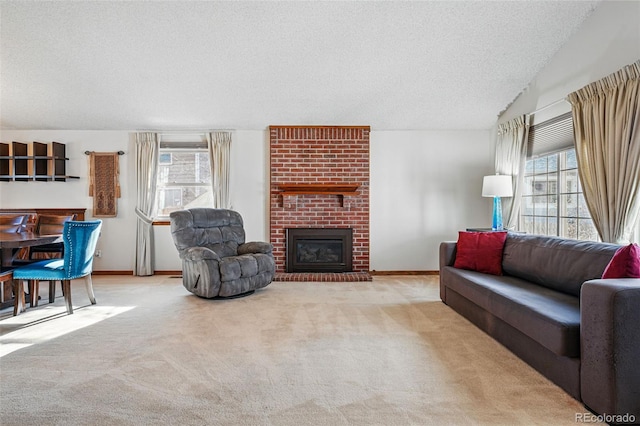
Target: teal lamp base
<point>496,224</point>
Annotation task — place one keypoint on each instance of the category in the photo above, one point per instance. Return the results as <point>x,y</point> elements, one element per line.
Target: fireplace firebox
<point>319,249</point>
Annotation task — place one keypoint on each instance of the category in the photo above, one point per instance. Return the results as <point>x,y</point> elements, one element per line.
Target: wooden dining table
<point>11,241</point>
<point>9,245</point>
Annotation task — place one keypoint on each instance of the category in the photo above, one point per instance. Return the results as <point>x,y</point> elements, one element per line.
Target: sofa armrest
<point>255,247</point>
<point>447,253</point>
<point>610,345</point>
<point>195,254</point>
<point>447,258</point>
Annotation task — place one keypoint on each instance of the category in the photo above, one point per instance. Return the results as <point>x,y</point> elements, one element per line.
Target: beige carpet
<point>386,352</point>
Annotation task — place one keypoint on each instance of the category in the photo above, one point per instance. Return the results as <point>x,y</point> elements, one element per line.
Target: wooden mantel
<point>321,188</point>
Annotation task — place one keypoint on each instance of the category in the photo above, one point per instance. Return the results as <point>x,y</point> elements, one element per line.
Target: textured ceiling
<point>247,65</point>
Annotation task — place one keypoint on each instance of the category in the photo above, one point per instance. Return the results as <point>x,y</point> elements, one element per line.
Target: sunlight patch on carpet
<point>26,330</point>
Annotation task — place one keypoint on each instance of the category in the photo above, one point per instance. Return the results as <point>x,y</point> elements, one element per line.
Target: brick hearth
<point>324,276</point>
<point>320,155</point>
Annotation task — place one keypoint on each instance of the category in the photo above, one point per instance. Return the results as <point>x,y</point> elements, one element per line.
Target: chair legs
<point>18,294</point>
<point>66,290</point>
<point>52,291</point>
<point>34,290</point>
<point>33,286</point>
<point>89,284</point>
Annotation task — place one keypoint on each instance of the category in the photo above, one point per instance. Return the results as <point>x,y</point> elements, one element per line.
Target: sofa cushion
<point>625,263</point>
<point>547,316</point>
<point>556,263</point>
<point>480,251</point>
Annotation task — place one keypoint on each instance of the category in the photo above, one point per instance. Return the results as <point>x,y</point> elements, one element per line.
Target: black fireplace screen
<point>319,249</point>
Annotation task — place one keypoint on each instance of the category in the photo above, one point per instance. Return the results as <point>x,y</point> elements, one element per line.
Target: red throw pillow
<point>624,264</point>
<point>480,251</point>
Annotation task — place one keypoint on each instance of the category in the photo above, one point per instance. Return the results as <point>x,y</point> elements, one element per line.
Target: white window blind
<point>184,145</point>
<point>551,136</point>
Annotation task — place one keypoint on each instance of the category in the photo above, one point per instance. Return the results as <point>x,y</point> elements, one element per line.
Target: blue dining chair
<point>79,239</point>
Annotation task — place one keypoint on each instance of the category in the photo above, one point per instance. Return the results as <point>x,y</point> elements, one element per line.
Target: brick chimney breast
<point>320,179</point>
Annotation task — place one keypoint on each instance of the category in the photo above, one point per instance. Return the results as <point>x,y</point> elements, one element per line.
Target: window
<point>552,200</point>
<point>184,177</point>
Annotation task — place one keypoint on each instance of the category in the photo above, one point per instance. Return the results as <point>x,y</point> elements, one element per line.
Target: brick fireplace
<point>320,179</point>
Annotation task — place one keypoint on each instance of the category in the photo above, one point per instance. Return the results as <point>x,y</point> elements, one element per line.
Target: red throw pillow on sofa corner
<point>624,264</point>
<point>480,251</point>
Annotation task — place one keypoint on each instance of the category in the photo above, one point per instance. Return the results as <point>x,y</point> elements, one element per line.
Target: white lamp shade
<point>497,186</point>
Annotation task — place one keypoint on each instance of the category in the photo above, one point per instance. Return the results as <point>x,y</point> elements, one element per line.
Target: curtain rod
<point>552,104</point>
<point>187,131</point>
<point>91,152</point>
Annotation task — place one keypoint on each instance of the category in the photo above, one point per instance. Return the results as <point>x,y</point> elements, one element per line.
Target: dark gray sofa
<point>552,310</point>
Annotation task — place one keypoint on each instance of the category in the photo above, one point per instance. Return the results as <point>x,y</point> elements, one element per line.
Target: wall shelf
<point>290,192</point>
<point>41,178</point>
<point>311,189</point>
<point>38,161</point>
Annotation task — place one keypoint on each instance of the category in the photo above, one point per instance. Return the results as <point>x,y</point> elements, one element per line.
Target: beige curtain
<point>606,121</point>
<point>219,155</point>
<point>511,156</point>
<point>147,145</point>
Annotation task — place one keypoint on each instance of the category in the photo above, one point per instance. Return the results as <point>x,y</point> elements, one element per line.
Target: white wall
<point>425,186</point>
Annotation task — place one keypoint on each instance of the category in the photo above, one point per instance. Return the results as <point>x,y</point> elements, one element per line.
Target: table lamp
<point>497,186</point>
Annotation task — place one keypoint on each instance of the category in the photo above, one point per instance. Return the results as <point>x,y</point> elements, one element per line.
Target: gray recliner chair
<point>216,261</point>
